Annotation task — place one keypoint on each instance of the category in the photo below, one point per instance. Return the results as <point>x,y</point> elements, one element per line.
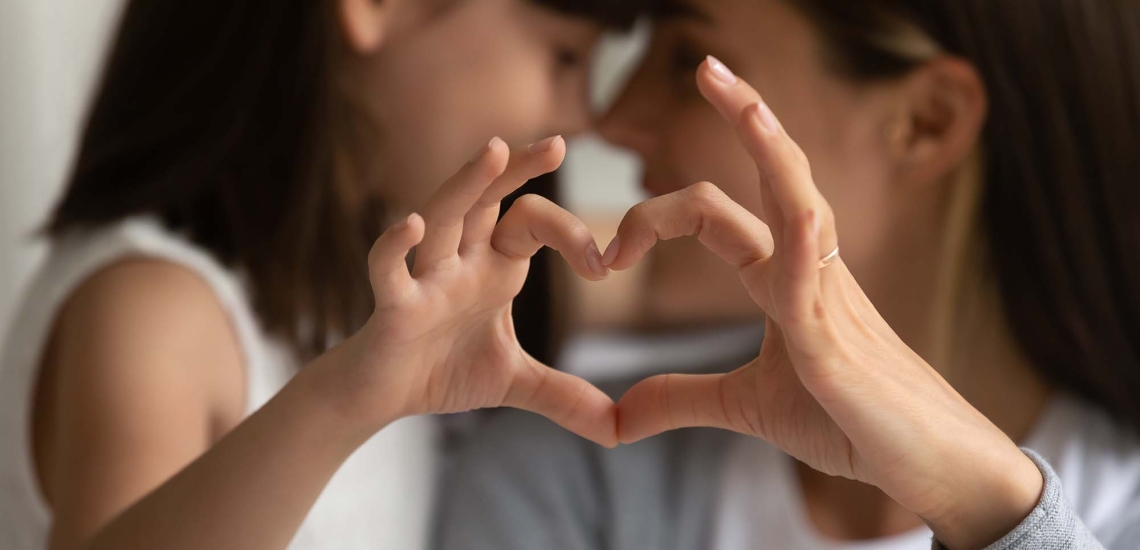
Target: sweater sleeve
<point>1053,525</point>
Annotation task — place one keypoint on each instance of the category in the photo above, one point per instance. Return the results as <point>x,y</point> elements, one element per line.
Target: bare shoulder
<point>151,322</point>
<point>142,373</point>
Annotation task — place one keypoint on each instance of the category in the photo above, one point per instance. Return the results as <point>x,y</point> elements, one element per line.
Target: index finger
<point>790,194</point>
<point>701,210</point>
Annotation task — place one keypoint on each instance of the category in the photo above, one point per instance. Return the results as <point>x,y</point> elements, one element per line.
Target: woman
<point>238,164</point>
<point>978,168</point>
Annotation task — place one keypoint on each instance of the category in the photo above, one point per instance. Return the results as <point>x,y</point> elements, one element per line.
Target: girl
<point>977,160</point>
<point>238,163</point>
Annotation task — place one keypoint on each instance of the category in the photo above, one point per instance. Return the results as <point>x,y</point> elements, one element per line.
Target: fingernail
<point>487,148</point>
<point>766,118</point>
<point>721,71</point>
<point>594,260</point>
<point>544,145</point>
<point>611,252</point>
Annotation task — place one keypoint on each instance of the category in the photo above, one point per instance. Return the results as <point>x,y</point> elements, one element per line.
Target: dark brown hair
<point>213,116</point>
<point>1061,199</point>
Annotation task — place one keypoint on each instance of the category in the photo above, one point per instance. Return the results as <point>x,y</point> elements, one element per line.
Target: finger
<point>525,164</point>
<point>567,400</point>
<point>534,222</point>
<point>802,313</point>
<point>701,210</point>
<point>387,261</point>
<point>445,211</point>
<point>786,182</point>
<point>671,401</point>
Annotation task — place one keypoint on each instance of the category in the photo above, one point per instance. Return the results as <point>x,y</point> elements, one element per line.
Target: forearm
<point>1051,524</point>
<point>254,487</point>
<point>990,492</point>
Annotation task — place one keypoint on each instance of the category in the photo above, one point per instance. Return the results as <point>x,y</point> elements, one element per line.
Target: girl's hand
<point>441,339</point>
<point>833,385</point>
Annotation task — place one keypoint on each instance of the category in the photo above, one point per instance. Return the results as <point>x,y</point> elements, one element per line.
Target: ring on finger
<point>829,258</point>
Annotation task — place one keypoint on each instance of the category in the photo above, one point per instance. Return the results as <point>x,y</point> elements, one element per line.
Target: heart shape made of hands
<point>833,385</point>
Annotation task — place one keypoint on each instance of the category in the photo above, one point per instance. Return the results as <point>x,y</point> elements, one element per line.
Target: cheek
<point>717,156</point>
<point>848,172</point>
<point>433,123</point>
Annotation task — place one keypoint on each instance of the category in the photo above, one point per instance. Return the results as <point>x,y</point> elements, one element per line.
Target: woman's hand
<point>441,339</point>
<point>833,385</point>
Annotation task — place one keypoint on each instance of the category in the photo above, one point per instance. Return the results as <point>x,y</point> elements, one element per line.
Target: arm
<point>439,340</point>
<point>1052,524</point>
<point>140,372</point>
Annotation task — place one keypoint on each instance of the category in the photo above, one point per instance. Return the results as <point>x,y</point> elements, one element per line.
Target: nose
<point>633,120</point>
<point>573,118</point>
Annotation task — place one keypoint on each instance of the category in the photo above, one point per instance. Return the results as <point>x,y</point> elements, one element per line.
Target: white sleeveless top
<point>380,498</point>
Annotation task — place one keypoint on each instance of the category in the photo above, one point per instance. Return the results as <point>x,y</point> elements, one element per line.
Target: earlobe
<point>363,23</point>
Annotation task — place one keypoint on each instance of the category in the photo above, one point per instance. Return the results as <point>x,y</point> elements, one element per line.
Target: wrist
<point>326,389</point>
<point>990,498</point>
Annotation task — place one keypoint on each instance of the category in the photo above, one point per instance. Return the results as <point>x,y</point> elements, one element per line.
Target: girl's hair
<point>214,116</point>
<point>1060,206</point>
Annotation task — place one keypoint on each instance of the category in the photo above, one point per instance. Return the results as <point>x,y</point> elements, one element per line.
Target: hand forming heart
<point>833,385</point>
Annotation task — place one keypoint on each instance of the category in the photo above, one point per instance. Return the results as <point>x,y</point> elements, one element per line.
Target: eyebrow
<point>679,9</point>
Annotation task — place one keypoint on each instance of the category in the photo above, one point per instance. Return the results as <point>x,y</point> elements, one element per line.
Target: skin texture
<point>833,385</point>
<point>439,78</point>
<point>440,340</point>
<point>893,160</point>
<point>143,374</point>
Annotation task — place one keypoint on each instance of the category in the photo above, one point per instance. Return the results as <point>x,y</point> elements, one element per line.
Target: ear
<point>938,122</point>
<point>364,23</point>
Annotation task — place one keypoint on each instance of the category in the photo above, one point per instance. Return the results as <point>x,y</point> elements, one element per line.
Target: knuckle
<point>705,193</point>
<point>530,203</point>
<point>812,313</point>
<point>639,214</point>
<point>828,216</point>
<point>802,220</point>
<point>817,310</point>
<point>800,158</point>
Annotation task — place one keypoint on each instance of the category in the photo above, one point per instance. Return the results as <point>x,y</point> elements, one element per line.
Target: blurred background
<point>50,56</point>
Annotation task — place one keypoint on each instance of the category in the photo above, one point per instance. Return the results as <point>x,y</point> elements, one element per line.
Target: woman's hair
<point>1060,203</point>
<point>214,117</point>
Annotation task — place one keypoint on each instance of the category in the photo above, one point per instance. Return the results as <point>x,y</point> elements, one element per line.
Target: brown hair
<point>213,116</point>
<point>1061,149</point>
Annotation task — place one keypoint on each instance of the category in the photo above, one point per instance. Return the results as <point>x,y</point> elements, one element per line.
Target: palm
<point>442,337</point>
<point>773,404</point>
<point>467,336</point>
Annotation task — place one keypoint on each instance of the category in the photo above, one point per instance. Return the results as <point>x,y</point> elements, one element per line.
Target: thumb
<point>671,401</point>
<point>567,400</point>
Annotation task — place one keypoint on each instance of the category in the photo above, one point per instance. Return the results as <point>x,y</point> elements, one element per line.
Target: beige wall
<point>49,52</point>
